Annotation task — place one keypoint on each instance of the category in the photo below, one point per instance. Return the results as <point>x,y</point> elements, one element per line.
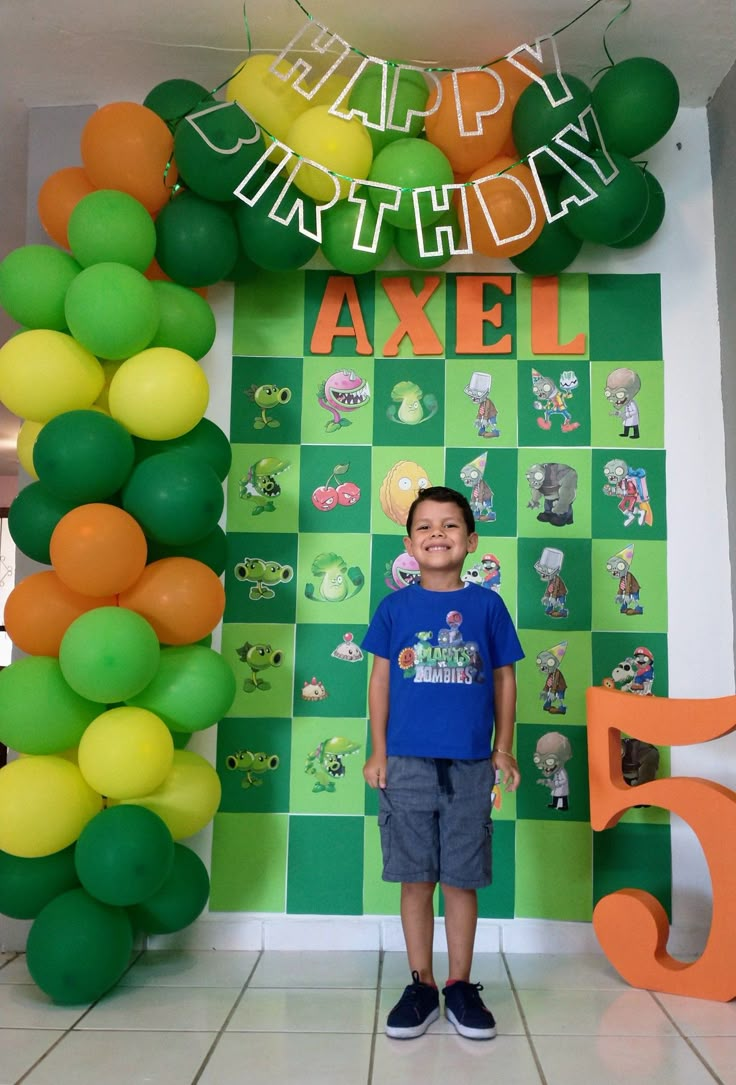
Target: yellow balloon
<point>45,803</point>
<point>271,102</point>
<point>330,91</point>
<point>44,373</point>
<point>341,146</point>
<point>25,443</point>
<point>126,752</point>
<point>189,796</point>
<point>102,401</point>
<point>159,394</point>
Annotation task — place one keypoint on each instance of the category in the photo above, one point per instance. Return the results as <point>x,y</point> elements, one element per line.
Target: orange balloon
<point>479,138</point>
<point>181,598</point>
<point>513,204</point>
<point>98,549</point>
<point>40,609</point>
<point>514,82</point>
<point>59,195</point>
<point>128,147</point>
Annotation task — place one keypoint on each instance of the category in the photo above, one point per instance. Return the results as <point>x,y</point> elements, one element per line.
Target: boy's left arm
<point>502,758</point>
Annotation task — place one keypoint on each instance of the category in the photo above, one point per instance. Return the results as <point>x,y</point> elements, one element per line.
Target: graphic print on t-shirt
<point>450,659</point>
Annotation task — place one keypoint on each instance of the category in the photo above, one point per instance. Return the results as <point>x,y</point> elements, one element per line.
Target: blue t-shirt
<point>443,647</point>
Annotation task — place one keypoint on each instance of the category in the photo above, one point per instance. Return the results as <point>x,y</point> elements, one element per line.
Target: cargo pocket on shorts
<point>384,828</point>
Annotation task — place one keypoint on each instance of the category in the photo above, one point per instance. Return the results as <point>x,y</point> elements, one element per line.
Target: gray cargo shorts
<point>435,821</point>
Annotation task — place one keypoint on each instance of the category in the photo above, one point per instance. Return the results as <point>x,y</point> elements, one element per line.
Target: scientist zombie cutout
<point>622,385</point>
<point>550,757</point>
<point>553,693</point>
<point>627,596</point>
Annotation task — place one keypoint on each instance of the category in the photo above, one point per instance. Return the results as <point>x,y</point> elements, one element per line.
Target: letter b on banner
<point>631,925</point>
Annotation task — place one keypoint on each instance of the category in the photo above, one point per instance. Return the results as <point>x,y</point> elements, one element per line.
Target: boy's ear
<point>472,542</point>
<point>407,545</point>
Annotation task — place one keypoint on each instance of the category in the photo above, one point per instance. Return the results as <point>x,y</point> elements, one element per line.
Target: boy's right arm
<point>374,769</point>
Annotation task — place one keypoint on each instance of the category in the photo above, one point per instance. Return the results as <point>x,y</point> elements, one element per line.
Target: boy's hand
<point>505,763</point>
<point>374,771</point>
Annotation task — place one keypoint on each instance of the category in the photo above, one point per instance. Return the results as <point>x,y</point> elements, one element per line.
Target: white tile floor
<point>222,1018</point>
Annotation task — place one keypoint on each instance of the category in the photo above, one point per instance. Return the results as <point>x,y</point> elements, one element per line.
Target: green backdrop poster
<point>541,399</point>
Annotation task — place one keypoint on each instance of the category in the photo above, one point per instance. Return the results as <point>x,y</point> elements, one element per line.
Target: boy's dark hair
<point>448,496</point>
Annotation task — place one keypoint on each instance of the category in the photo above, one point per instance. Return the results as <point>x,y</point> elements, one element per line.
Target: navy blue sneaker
<point>464,1008</point>
<point>415,1011</point>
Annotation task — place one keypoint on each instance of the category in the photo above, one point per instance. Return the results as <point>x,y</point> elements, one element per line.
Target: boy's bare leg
<point>461,918</point>
<point>417,920</point>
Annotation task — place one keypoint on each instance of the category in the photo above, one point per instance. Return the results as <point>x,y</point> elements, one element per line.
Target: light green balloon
<point>112,227</point>
<point>109,654</point>
<point>111,309</point>
<point>39,712</point>
<point>34,280</point>
<point>192,689</point>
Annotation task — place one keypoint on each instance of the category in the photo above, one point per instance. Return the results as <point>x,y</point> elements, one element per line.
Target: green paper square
<point>249,863</point>
<point>349,330</point>
<point>269,315</point>
<point>498,468</point>
<point>343,680</point>
<point>254,784</point>
<point>625,321</point>
<point>649,566</point>
<point>573,320</point>
<point>554,870</point>
<point>543,426</point>
<point>579,460</point>
<point>324,470</point>
<point>387,319</point>
<point>575,668</point>
<point>462,423</point>
<point>398,473</point>
<point>325,865</point>
<point>610,649</point>
<point>332,572</point>
<point>271,697</point>
<point>573,559</point>
<point>409,402</point>
<point>496,901</point>
<point>248,600</point>
<point>642,492</point>
<point>617,861</point>
<point>607,426</point>
<point>257,412</point>
<point>265,510</point>
<point>533,797</point>
<point>379,897</point>
<point>327,766</point>
<point>322,422</point>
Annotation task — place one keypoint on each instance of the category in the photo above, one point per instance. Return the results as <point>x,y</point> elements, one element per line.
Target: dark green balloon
<point>243,269</point>
<point>555,248</point>
<point>338,236</point>
<point>180,899</point>
<point>27,885</point>
<point>617,208</point>
<point>211,550</point>
<point>33,516</point>
<point>174,98</point>
<point>83,456</point>
<point>206,440</point>
<point>407,242</point>
<point>124,854</point>
<point>536,121</point>
<point>635,102</point>
<point>196,240</point>
<point>186,321</point>
<point>272,245</point>
<point>175,496</point>
<point>78,947</point>
<point>215,174</point>
<point>653,217</point>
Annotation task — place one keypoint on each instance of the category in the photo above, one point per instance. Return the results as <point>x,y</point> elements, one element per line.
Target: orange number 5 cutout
<point>631,925</point>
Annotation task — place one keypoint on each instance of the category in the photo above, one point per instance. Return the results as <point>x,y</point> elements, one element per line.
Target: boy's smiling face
<point>439,539</point>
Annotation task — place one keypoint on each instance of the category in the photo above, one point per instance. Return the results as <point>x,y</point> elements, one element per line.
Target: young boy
<point>442,673</point>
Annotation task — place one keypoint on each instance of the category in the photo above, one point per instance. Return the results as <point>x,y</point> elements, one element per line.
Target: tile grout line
<point>524,1021</point>
<point>205,1061</point>
<point>701,1058</point>
<point>374,1036</point>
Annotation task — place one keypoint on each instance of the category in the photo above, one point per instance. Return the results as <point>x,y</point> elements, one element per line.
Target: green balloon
<point>409,91</point>
<point>653,217</point>
<point>174,98</point>
<point>338,238</point>
<point>272,245</point>
<point>78,948</point>
<point>109,654</point>
<point>409,164</point>
<point>555,248</point>
<point>34,280</point>
<point>536,121</point>
<point>180,739</point>
<point>407,242</point>
<point>124,854</point>
<point>196,240</point>
<point>186,320</point>
<point>211,550</point>
<point>243,269</point>
<point>617,208</point>
<point>83,456</point>
<point>180,899</point>
<point>33,515</point>
<point>112,227</point>
<point>39,712</point>
<point>111,309</point>
<point>176,497</point>
<point>215,174</point>
<point>27,885</point>
<point>206,440</point>
<point>192,689</point>
<point>635,103</point>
